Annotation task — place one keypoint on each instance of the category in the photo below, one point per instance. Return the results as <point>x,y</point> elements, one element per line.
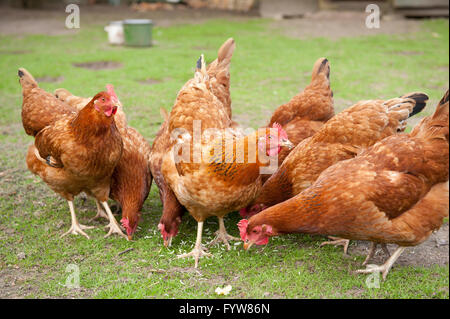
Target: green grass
<point>267,70</point>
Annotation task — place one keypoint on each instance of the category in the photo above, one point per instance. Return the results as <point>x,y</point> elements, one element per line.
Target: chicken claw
<point>222,235</point>
<point>337,242</point>
<point>76,228</point>
<point>384,269</point>
<point>100,212</point>
<point>114,227</point>
<point>372,250</point>
<point>198,250</point>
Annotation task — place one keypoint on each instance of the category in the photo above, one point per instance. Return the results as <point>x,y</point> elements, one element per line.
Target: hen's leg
<point>114,227</point>
<point>337,242</point>
<point>198,251</point>
<point>100,212</point>
<point>372,249</point>
<point>384,269</point>
<point>222,235</point>
<point>76,227</point>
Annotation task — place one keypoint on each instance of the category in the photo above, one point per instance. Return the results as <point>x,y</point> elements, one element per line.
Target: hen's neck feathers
<point>240,161</point>
<point>89,122</point>
<point>298,214</point>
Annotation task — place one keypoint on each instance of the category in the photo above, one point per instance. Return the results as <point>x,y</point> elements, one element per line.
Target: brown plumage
<point>210,186</point>
<point>341,138</point>
<point>306,112</point>
<point>218,73</point>
<point>78,102</point>
<point>172,209</point>
<point>78,153</point>
<point>39,108</point>
<point>394,192</point>
<point>131,179</point>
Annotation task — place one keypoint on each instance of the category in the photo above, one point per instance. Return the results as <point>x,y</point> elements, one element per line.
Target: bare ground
<point>334,25</point>
<point>51,21</point>
<point>330,24</point>
<point>434,251</point>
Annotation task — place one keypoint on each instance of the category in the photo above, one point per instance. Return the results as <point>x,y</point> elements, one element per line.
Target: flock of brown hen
<point>355,175</point>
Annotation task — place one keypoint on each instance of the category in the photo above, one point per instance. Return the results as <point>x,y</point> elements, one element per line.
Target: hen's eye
<point>103,99</point>
<point>254,231</point>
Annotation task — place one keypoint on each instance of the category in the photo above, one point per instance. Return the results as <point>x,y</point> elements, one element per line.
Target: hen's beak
<point>130,237</point>
<point>287,143</point>
<point>248,244</point>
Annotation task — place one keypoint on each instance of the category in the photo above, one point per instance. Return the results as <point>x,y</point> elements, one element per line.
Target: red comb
<point>281,132</point>
<point>110,90</point>
<point>242,225</point>
<point>162,229</point>
<point>277,126</point>
<point>125,223</point>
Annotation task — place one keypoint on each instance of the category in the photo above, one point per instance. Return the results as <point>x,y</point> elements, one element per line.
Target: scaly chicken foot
<point>222,235</point>
<point>372,250</point>
<point>384,269</point>
<point>198,250</point>
<point>100,212</point>
<point>114,227</point>
<point>336,241</point>
<point>76,228</point>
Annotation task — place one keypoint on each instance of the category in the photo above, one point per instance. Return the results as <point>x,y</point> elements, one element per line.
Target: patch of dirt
<point>13,282</point>
<point>334,25</point>
<point>150,81</point>
<point>99,65</point>
<point>50,79</point>
<point>408,52</point>
<point>51,19</point>
<point>15,51</point>
<point>426,254</point>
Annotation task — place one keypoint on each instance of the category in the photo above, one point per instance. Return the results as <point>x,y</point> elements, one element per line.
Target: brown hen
<point>208,178</point>
<point>131,179</point>
<point>394,192</point>
<point>306,112</point>
<point>219,83</point>
<point>77,152</point>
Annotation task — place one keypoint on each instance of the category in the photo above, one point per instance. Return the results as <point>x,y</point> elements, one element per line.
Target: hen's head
<point>254,234</point>
<point>105,103</point>
<point>129,225</point>
<point>249,211</point>
<point>110,90</point>
<point>275,138</point>
<point>169,230</point>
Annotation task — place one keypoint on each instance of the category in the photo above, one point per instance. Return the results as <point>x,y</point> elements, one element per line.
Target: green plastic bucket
<point>138,32</point>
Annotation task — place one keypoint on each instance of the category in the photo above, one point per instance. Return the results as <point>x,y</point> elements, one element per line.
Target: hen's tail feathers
<point>226,52</point>
<point>26,79</point>
<point>222,63</point>
<point>420,99</point>
<point>436,125</point>
<point>200,72</point>
<point>322,66</point>
<point>164,114</point>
